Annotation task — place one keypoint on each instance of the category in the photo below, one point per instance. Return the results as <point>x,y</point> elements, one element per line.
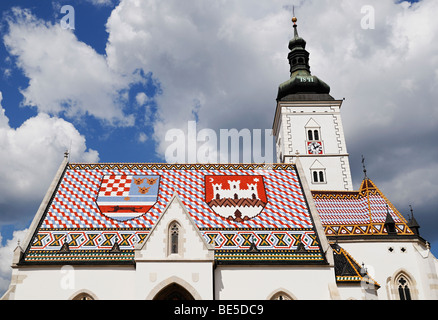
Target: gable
<point>312,124</point>
<point>317,165</point>
<point>191,244</point>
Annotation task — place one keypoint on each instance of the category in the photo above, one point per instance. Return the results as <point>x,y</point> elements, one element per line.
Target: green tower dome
<point>301,80</point>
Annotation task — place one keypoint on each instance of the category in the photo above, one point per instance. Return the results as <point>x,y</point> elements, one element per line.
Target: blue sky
<point>110,89</point>
<point>90,29</point>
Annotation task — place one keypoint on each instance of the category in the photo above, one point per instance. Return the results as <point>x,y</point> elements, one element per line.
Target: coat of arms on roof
<point>237,198</point>
<point>125,197</point>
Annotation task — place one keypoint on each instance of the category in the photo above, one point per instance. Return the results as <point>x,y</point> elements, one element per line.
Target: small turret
<point>389,223</point>
<point>413,224</point>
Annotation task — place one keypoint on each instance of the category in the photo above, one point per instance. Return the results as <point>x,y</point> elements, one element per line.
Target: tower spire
<point>364,168</point>
<point>301,79</point>
<point>294,20</point>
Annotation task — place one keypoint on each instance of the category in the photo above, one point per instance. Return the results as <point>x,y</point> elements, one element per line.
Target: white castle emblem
<point>234,202</point>
<point>234,192</point>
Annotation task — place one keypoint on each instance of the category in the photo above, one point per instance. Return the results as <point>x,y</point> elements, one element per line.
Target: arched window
<point>315,176</point>
<point>403,286</point>
<point>313,130</point>
<point>316,134</point>
<point>318,176</point>
<point>321,176</point>
<point>310,135</point>
<point>281,295</point>
<point>83,296</point>
<point>404,291</point>
<point>173,292</point>
<point>174,237</point>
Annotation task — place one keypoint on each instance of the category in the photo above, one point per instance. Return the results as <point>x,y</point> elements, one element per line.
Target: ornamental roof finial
<point>364,168</point>
<point>294,19</point>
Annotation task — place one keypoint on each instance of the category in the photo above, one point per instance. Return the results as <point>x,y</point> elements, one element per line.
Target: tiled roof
<point>97,205</point>
<point>360,212</point>
<point>347,270</point>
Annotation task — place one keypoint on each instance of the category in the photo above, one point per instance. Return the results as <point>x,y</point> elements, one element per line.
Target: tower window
<point>316,134</point>
<point>321,176</point>
<point>318,176</point>
<point>313,135</point>
<point>315,176</point>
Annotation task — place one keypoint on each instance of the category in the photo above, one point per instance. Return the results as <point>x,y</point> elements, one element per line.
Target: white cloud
<point>6,254</point>
<point>141,98</point>
<point>65,75</point>
<point>29,158</point>
<point>207,58</point>
<point>101,2</point>
<point>142,137</point>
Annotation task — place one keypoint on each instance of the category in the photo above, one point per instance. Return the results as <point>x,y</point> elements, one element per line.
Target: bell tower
<point>308,125</point>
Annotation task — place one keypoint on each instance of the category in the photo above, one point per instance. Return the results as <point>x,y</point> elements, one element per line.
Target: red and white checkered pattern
<point>115,186</point>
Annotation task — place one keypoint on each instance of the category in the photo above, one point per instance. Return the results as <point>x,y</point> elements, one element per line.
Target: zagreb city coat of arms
<point>123,197</point>
<point>236,198</point>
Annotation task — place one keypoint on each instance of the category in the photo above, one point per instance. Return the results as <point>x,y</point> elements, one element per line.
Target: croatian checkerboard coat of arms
<point>236,198</point>
<point>127,197</point>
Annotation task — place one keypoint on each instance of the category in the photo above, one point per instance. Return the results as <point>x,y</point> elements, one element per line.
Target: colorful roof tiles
<point>354,213</point>
<point>347,270</point>
<point>96,206</point>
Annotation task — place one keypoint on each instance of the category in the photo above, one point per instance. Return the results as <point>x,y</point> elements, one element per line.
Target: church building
<point>293,230</point>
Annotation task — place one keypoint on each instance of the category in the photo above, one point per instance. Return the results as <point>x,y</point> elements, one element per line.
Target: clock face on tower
<point>314,147</point>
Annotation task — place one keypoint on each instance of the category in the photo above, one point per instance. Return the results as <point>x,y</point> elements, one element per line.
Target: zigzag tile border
<point>166,166</point>
<point>263,239</point>
<point>364,229</point>
<point>94,239</point>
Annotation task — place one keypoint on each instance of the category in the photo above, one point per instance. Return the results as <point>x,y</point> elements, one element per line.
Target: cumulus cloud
<point>30,156</point>
<point>66,76</point>
<point>193,50</point>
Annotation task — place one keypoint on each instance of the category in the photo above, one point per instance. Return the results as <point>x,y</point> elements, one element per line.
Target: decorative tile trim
<point>364,229</point>
<point>267,255</point>
<point>263,239</point>
<point>88,256</point>
<point>87,239</point>
<point>166,166</point>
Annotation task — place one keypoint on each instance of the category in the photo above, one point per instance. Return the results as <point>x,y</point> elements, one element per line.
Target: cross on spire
<point>294,19</point>
<point>364,168</point>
